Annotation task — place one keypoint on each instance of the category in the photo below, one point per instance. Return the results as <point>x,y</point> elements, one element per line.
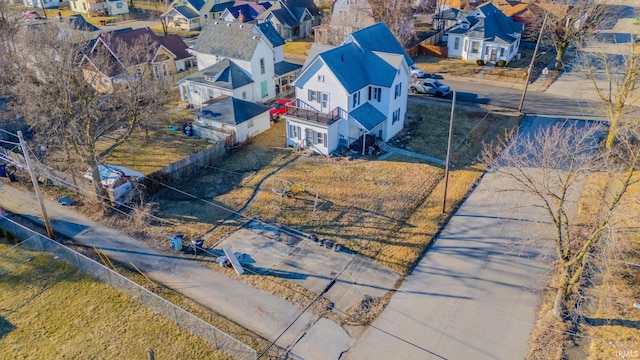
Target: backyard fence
<point>35,241</point>
<point>430,47</point>
<point>185,167</point>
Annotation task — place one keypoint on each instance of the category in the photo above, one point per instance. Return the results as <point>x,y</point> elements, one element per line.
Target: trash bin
<point>176,241</point>
<point>197,246</point>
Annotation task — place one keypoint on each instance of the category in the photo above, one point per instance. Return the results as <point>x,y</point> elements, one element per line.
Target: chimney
<point>240,17</point>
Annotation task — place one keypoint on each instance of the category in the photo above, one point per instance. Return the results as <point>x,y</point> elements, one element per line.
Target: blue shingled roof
<point>186,11</point>
<point>232,111</point>
<point>248,12</point>
<point>378,37</point>
<point>267,29</point>
<point>284,17</point>
<point>197,4</point>
<point>245,110</point>
<point>224,74</point>
<point>367,116</point>
<point>356,68</point>
<point>285,67</point>
<point>221,7</point>
<point>495,26</point>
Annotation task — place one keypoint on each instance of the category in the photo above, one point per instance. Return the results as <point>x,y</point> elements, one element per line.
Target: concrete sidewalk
<point>254,309</point>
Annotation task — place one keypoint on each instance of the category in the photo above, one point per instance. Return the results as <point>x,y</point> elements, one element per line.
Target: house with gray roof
<point>486,34</point>
<point>347,16</point>
<point>193,14</point>
<point>230,120</point>
<point>251,56</point>
<point>352,93</point>
<point>293,19</point>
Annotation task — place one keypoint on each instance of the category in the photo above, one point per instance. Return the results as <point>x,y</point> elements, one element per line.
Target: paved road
<point>536,103</point>
<point>470,297</point>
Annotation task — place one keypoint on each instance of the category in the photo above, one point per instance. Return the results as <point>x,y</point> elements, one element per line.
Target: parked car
<point>279,108</point>
<point>31,15</point>
<point>431,87</point>
<point>416,72</point>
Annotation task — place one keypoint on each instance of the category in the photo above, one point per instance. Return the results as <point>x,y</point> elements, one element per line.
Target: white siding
<point>263,51</point>
<point>252,127</point>
<point>298,137</point>
<point>325,81</point>
<point>452,51</point>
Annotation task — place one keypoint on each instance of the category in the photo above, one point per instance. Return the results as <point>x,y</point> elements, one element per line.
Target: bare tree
<point>63,102</point>
<point>614,77</point>
<point>554,166</point>
<point>572,22</point>
<point>10,23</point>
<point>164,22</point>
<point>398,15</point>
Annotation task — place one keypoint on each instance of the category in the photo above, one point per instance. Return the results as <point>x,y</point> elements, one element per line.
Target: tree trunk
<point>101,194</point>
<point>560,51</point>
<point>560,304</point>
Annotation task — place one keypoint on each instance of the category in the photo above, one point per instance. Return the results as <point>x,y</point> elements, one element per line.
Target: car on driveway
<point>429,86</point>
<point>31,15</point>
<point>416,72</point>
<point>279,108</point>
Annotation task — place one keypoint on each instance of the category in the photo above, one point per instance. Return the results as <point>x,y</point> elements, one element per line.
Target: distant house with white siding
<point>245,61</point>
<point>486,34</point>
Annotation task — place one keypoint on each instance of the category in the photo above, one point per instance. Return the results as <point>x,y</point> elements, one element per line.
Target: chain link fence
<point>32,240</point>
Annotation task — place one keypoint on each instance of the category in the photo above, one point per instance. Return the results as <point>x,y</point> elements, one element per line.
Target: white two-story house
<point>486,34</point>
<point>351,91</point>
<point>245,61</point>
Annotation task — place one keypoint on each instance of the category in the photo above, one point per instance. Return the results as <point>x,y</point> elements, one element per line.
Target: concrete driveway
<point>473,294</point>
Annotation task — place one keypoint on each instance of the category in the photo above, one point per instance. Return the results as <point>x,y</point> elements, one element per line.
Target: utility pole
<point>533,58</point>
<point>446,162</point>
<point>36,188</point>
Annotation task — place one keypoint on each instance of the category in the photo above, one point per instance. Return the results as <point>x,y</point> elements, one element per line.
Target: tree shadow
<point>5,327</point>
<point>633,324</point>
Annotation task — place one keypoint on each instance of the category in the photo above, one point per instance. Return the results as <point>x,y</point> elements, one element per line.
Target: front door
<point>492,58</point>
<point>308,137</point>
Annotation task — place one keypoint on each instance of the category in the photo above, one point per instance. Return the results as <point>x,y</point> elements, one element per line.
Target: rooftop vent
<point>216,23</point>
<point>228,24</point>
<point>255,37</point>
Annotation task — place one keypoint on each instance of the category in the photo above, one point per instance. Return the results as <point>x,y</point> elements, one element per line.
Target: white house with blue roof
<point>194,14</point>
<point>245,61</point>
<point>293,19</point>
<point>485,34</point>
<point>346,92</point>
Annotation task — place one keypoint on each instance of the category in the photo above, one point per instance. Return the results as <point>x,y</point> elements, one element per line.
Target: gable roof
<point>186,11</point>
<point>378,37</point>
<point>371,69</point>
<point>270,33</point>
<point>490,24</point>
<point>232,40</point>
<point>284,67</point>
<point>297,7</point>
<point>221,7</point>
<point>248,12</point>
<point>78,22</point>
<point>196,4</point>
<point>176,45</point>
<point>231,111</point>
<point>224,74</point>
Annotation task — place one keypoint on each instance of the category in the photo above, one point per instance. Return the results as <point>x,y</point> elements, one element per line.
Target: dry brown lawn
<point>49,310</point>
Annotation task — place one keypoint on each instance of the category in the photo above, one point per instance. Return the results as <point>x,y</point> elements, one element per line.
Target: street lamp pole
<point>446,162</point>
<point>533,58</point>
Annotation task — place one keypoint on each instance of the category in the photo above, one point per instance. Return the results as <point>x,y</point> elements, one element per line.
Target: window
<point>466,45</point>
<point>486,50</point>
<point>139,71</point>
<point>156,73</point>
<point>320,78</point>
<point>475,47</point>
<point>356,98</point>
<point>501,51</point>
<point>262,66</point>
<point>119,6</point>
<point>375,93</point>
<point>456,43</point>
<point>319,138</point>
<point>313,95</point>
<point>165,70</point>
<point>511,49</point>
<point>294,132</point>
<point>398,91</point>
<point>244,95</point>
<point>396,116</point>
<point>263,88</point>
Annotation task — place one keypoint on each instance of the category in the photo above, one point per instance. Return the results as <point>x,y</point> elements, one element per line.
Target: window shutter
<point>369,92</point>
<point>379,93</point>
<point>299,133</point>
<point>324,139</point>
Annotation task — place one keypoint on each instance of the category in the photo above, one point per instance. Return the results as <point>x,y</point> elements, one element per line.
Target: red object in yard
<point>279,108</point>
